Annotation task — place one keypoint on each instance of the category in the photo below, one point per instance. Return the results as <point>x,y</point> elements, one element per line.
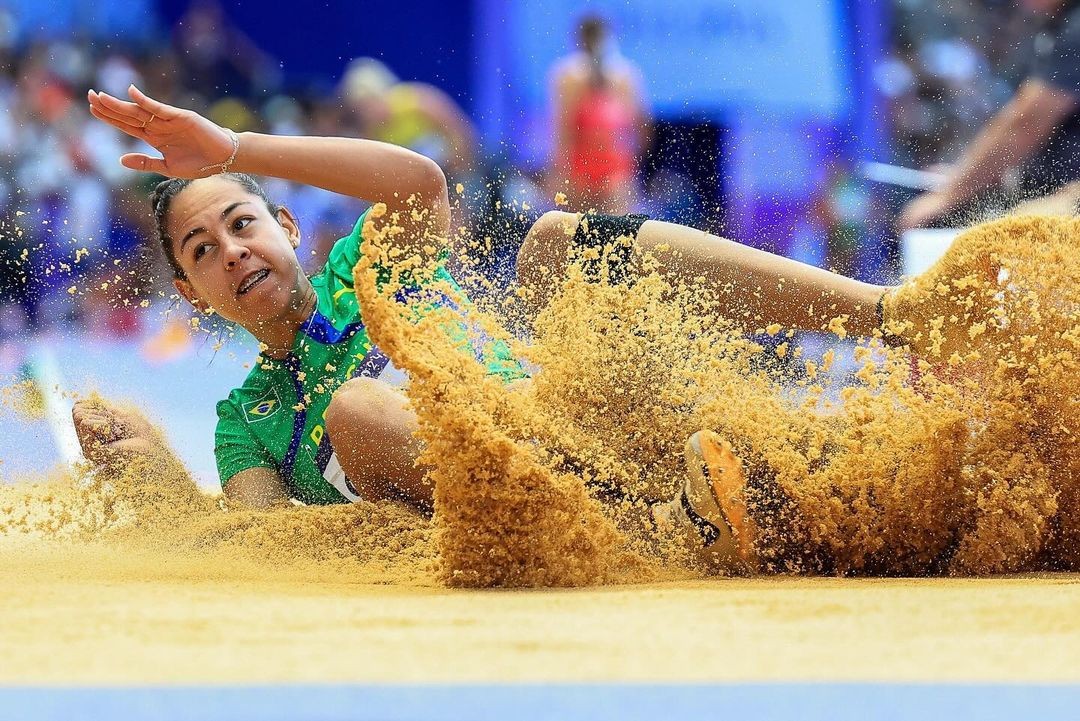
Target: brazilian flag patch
<point>262,408</point>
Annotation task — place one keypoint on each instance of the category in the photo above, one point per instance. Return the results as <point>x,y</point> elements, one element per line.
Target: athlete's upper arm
<point>236,449</point>
<point>257,487</point>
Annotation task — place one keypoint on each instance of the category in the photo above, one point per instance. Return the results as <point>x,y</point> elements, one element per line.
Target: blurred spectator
<point>842,210</point>
<point>62,170</point>
<point>414,115</point>
<point>600,122</point>
<point>76,244</point>
<point>217,58</point>
<point>322,215</point>
<point>1032,145</point>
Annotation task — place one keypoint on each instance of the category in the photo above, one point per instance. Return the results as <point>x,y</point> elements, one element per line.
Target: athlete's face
<point>239,259</point>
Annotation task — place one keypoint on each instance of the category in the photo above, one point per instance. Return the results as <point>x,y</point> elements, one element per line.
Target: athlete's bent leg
<point>760,286</point>
<point>542,258</point>
<point>372,429</point>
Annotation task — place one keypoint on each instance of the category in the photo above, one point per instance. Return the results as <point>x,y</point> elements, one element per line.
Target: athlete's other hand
<point>107,432</point>
<point>190,144</point>
<point>923,211</point>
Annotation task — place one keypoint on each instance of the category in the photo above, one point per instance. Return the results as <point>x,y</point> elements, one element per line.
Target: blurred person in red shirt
<point>600,122</point>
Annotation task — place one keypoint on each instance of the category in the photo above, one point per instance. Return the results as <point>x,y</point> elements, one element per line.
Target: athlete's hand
<point>107,432</point>
<point>191,146</point>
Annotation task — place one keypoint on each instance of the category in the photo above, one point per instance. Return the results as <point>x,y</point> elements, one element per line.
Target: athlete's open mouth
<point>252,280</point>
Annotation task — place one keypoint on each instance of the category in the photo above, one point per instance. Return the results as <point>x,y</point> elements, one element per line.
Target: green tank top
<point>275,419</point>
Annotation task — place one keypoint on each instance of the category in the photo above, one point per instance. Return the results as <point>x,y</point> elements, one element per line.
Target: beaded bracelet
<point>228,163</point>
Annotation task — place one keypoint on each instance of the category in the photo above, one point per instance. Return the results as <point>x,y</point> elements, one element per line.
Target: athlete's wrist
<point>226,165</point>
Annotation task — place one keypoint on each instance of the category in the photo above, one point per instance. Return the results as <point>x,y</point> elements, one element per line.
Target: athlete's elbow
<point>426,180</point>
<point>432,197</point>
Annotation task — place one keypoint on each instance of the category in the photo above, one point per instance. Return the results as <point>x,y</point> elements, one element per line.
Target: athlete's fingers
<point>98,415</point>
<point>159,109</point>
<point>145,163</point>
<point>124,127</point>
<point>103,113</point>
<point>123,108</point>
<point>92,418</point>
<point>119,122</point>
<point>88,412</point>
<point>82,409</point>
<point>134,114</point>
<point>98,428</point>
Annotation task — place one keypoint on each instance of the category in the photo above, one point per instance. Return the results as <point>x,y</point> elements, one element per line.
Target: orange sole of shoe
<point>729,484</point>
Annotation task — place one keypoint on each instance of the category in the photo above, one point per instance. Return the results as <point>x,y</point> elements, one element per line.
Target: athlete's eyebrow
<point>224,214</point>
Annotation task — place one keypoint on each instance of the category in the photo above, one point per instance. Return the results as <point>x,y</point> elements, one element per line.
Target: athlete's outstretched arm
<point>758,287</point>
<point>111,435</point>
<point>192,146</point>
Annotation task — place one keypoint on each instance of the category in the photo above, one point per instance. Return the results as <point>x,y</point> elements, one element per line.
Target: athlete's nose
<point>234,254</point>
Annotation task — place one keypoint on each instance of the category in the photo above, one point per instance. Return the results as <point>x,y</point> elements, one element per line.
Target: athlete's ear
<point>185,289</point>
<point>289,223</point>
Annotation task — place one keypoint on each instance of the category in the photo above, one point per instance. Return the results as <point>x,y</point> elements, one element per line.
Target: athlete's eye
<point>201,249</point>
<point>241,223</point>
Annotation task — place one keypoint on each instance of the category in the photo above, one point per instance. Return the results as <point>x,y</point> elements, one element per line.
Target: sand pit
<point>90,617</point>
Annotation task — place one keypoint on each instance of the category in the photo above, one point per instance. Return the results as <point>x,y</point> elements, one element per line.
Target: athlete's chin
<point>262,306</point>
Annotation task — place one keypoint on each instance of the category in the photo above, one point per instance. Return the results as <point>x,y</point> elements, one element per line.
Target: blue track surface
<point>805,702</point>
<point>181,395</point>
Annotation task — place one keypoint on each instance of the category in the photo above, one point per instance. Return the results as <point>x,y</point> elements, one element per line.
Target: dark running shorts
<point>603,232</point>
